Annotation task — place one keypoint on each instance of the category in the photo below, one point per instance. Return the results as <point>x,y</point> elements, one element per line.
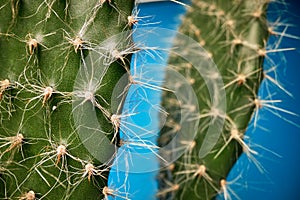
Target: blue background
<point>282,176</point>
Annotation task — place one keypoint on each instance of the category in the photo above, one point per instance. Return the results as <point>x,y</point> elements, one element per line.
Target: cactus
<point>63,59</point>
<point>234,34</point>
<point>44,43</point>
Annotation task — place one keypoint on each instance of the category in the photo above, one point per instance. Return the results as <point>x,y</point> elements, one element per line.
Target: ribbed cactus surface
<point>44,44</point>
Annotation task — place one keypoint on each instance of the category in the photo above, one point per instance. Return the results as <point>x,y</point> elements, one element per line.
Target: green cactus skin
<point>234,33</point>
<point>43,43</point>
<point>42,46</point>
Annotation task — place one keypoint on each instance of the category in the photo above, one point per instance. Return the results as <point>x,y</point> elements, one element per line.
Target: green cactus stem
<point>234,34</point>
<point>43,44</point>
